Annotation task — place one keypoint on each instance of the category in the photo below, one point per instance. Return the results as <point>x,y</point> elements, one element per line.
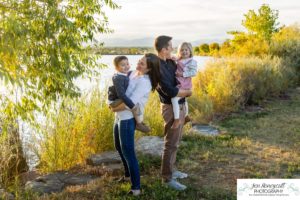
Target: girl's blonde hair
<point>188,45</point>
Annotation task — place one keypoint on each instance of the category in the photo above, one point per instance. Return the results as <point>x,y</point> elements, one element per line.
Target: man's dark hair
<point>162,42</point>
<point>118,59</point>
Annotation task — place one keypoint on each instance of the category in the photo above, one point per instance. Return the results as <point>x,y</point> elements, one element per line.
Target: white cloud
<point>192,19</point>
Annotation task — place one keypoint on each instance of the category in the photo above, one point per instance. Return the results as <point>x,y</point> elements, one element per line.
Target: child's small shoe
<point>187,119</point>
<point>175,124</point>
<point>142,127</point>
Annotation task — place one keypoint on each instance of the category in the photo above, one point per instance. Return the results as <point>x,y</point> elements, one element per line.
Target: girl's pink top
<point>189,69</point>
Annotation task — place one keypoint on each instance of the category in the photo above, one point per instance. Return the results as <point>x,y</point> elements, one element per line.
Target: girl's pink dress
<point>184,82</point>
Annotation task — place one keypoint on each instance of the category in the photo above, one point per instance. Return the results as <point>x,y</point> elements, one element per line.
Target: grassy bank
<point>254,144</point>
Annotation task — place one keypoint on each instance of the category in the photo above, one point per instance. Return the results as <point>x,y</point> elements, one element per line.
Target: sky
<point>188,20</point>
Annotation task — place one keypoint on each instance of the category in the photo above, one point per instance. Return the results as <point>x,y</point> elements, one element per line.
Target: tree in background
<point>204,49</point>
<point>44,47</point>
<point>196,50</point>
<point>260,27</point>
<point>226,48</point>
<point>263,23</point>
<point>214,48</point>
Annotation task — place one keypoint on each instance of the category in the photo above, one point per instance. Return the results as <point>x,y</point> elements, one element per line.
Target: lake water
<point>85,86</point>
<point>105,78</point>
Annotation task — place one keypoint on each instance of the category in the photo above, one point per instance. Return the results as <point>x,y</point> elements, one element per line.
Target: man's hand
<point>174,58</point>
<point>184,93</point>
<point>179,74</point>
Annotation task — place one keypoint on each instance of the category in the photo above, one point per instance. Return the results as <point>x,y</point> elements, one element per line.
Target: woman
<point>141,82</point>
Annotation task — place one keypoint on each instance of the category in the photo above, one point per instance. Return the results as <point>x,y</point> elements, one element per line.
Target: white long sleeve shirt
<point>191,67</point>
<point>138,91</point>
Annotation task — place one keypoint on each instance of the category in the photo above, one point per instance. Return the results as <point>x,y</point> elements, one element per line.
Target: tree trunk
<point>12,159</point>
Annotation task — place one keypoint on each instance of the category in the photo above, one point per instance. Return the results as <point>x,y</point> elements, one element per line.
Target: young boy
<point>116,92</point>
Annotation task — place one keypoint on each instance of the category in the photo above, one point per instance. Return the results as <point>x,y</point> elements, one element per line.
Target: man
<point>168,90</point>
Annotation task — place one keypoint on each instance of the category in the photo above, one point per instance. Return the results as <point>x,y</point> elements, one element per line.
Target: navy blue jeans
<point>124,144</point>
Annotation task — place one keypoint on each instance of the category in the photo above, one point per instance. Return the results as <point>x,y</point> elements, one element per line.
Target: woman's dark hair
<point>153,64</point>
<point>162,42</point>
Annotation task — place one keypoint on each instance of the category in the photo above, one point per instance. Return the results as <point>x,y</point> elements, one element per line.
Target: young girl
<point>186,68</point>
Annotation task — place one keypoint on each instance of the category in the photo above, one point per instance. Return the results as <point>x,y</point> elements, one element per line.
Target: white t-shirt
<point>138,91</point>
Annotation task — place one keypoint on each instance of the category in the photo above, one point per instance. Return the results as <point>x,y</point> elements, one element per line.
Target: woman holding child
<point>128,113</point>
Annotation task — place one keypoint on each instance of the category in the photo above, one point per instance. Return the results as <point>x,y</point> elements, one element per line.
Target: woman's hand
<point>120,107</point>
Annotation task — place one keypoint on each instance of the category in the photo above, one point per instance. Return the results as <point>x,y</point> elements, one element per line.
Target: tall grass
<point>228,84</point>
<point>83,127</point>
<point>79,128</point>
<point>286,44</point>
<point>153,115</point>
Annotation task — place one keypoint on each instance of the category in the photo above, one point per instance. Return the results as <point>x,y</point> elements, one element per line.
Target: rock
<point>105,158</point>
<point>150,145</point>
<point>28,176</point>
<point>46,184</point>
<point>205,130</point>
<point>6,195</point>
<point>79,179</point>
<point>56,182</point>
<point>113,169</point>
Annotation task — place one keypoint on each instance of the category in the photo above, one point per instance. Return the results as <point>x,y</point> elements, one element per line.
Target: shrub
<point>79,128</point>
<point>286,44</point>
<point>228,84</point>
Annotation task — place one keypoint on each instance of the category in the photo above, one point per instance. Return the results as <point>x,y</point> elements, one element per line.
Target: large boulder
<point>105,158</point>
<point>150,145</point>
<point>106,163</point>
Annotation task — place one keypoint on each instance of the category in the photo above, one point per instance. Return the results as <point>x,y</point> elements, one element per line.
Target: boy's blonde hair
<point>188,45</point>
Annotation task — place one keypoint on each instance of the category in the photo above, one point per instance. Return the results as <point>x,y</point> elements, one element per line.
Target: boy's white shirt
<point>121,73</point>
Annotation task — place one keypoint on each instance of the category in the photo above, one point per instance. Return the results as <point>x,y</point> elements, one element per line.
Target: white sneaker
<point>134,192</point>
<point>176,185</point>
<point>179,174</point>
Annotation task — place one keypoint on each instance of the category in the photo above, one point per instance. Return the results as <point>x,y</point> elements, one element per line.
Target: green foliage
<point>286,44</point>
<point>204,49</point>
<point>79,128</point>
<point>262,24</point>
<point>196,50</point>
<point>214,46</point>
<point>153,115</point>
<point>82,127</point>
<point>231,83</point>
<point>44,47</point>
<point>243,44</point>
<point>207,49</point>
